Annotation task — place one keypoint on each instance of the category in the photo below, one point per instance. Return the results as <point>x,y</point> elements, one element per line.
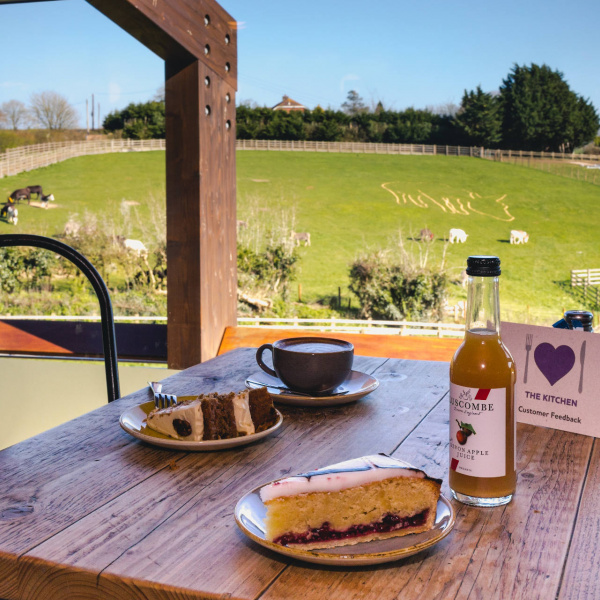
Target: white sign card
<point>558,377</point>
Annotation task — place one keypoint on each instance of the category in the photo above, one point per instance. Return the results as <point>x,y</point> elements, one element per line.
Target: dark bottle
<point>579,320</point>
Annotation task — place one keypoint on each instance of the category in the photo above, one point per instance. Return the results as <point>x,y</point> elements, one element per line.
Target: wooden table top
<point>86,511</point>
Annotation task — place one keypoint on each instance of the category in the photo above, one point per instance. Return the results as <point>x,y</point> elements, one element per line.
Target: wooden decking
<point>391,346</point>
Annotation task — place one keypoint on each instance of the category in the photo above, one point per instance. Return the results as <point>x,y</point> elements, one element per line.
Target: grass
<point>340,200</point>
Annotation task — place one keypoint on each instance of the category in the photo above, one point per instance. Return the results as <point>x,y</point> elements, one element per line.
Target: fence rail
<point>526,154</point>
<point>27,158</point>
<point>358,326</point>
<point>35,156</point>
<point>585,277</point>
<point>358,147</point>
<point>331,324</point>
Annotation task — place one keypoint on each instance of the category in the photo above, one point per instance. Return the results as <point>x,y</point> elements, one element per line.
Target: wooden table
<point>89,512</point>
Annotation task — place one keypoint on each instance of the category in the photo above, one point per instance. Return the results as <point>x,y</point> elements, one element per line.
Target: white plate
<point>250,513</point>
<point>133,421</point>
<point>358,385</point>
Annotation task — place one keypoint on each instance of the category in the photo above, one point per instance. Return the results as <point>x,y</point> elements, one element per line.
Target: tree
<point>479,118</point>
<point>139,121</point>
<point>15,113</point>
<point>540,112</point>
<point>50,110</point>
<point>354,104</point>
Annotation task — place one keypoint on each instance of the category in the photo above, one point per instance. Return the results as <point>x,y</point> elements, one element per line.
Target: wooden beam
<point>178,30</point>
<point>201,212</point>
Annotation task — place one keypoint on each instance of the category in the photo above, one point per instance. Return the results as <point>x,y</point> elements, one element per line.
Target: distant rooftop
<point>289,105</point>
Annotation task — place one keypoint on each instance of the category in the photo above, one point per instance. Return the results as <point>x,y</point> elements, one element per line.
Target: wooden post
<point>197,39</point>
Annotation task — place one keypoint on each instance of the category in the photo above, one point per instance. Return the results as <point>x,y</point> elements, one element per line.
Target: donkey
<point>21,194</point>
<point>36,189</point>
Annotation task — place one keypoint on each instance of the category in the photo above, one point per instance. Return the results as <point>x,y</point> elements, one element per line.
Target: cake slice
<point>215,416</point>
<point>369,498</point>
<point>183,421</point>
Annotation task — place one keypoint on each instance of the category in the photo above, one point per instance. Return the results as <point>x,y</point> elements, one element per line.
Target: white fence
<point>358,147</point>
<point>27,158</point>
<point>585,277</point>
<point>331,324</point>
<point>501,155</point>
<point>358,326</point>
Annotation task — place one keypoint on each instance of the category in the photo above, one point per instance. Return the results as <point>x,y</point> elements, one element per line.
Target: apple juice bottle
<point>482,384</point>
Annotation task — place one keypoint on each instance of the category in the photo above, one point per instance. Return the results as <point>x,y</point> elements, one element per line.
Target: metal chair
<point>108,324</point>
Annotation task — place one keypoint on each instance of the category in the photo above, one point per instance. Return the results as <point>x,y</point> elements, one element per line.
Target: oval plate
<point>133,421</point>
<point>355,387</point>
<point>250,513</point>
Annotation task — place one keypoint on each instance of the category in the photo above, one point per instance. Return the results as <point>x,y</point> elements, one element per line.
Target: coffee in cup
<point>311,365</point>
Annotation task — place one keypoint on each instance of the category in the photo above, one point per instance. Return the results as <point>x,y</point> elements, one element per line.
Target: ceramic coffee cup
<point>309,364</point>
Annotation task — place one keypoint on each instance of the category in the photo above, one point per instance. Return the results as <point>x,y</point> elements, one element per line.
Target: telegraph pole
<point>93,112</point>
<point>87,116</point>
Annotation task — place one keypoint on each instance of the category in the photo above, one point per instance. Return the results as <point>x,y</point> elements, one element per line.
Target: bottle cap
<point>483,266</point>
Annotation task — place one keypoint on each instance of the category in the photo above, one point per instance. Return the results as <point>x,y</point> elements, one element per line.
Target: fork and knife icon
<point>529,346</point>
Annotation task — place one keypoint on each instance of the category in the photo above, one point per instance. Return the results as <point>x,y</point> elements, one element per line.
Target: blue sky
<point>404,53</point>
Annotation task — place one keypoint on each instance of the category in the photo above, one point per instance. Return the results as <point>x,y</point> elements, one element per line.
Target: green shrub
<point>391,286</point>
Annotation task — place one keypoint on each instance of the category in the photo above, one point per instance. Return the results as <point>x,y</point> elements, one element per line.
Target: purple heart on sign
<point>553,362</point>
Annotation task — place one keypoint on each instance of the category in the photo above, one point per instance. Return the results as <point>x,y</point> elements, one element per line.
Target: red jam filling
<point>324,533</point>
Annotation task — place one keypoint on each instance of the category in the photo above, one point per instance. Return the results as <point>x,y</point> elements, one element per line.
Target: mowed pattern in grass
<point>354,203</point>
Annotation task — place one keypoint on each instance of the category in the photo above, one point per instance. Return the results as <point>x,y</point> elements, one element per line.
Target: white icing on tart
<point>341,476</point>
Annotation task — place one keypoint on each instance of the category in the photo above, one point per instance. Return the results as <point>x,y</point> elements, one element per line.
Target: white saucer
<point>250,513</point>
<point>356,386</point>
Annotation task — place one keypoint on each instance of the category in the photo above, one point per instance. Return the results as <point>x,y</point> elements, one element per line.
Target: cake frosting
<point>184,421</point>
<point>341,476</point>
<point>241,409</point>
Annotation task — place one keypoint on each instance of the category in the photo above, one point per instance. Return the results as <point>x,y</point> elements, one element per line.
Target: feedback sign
<point>558,377</point>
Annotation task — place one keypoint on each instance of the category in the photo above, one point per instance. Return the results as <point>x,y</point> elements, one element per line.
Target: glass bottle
<point>482,392</point>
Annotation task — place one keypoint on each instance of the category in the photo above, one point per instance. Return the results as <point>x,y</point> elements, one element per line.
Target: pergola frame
<point>197,39</point>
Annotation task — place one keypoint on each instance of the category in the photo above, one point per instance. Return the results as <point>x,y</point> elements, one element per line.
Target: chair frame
<point>108,323</point>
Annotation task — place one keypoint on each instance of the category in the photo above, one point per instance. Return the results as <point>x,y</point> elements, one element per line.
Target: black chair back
<point>108,324</point>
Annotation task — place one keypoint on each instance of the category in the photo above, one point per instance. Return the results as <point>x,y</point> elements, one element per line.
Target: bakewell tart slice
<point>368,498</point>
<point>215,416</point>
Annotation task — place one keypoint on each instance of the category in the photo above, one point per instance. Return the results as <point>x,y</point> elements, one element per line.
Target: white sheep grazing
<point>72,228</point>
<point>136,246</point>
<point>518,237</point>
<point>458,236</point>
<point>12,215</point>
<point>302,236</point>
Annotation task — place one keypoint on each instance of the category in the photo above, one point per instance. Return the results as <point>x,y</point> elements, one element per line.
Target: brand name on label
<point>472,405</point>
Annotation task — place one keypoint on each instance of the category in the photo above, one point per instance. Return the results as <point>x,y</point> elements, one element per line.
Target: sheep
<point>46,199</point>
<point>426,235</point>
<point>458,236</point>
<point>302,236</point>
<point>10,213</point>
<point>136,246</point>
<point>518,237</point>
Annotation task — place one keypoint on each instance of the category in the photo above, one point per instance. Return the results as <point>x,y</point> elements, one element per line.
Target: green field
<point>340,200</point>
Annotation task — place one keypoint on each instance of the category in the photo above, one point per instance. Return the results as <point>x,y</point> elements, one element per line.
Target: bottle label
<point>478,431</point>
